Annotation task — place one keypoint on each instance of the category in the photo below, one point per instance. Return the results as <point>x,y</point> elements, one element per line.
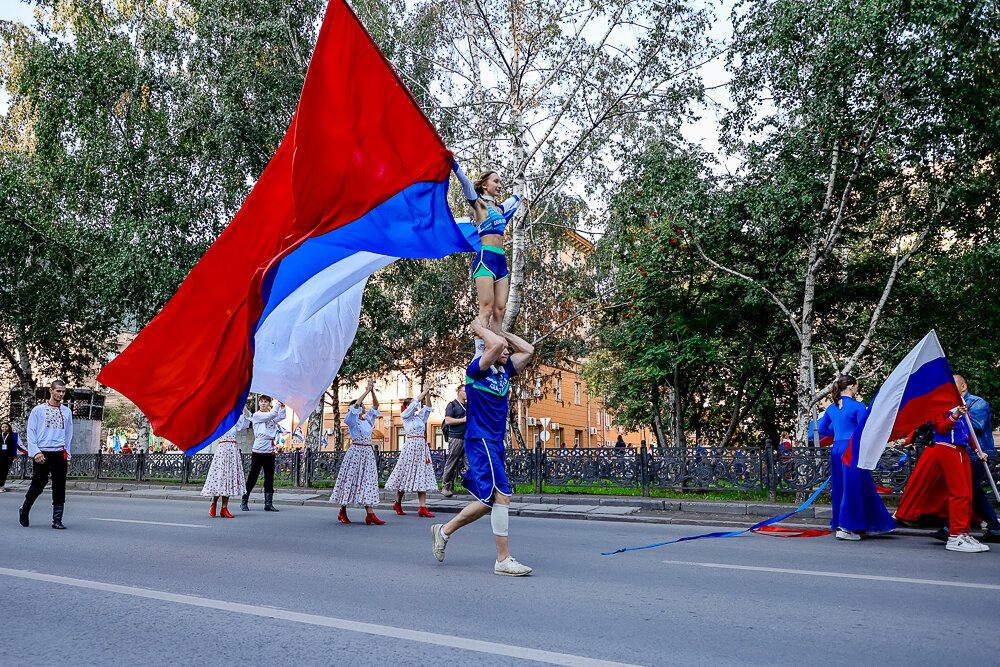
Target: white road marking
<point>492,648</point>
<point>152,523</point>
<point>840,575</point>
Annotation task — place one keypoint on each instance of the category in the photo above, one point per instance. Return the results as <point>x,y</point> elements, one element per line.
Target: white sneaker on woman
<point>847,535</point>
<point>965,543</point>
<point>510,568</point>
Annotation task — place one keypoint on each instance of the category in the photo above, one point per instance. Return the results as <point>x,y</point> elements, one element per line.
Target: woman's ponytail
<point>839,385</point>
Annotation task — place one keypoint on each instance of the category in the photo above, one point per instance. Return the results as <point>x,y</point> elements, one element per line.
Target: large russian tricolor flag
<point>359,180</point>
<point>919,389</point>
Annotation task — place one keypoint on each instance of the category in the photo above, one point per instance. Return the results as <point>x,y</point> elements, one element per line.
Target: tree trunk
<point>143,429</point>
<point>314,432</point>
<point>661,441</point>
<point>338,440</point>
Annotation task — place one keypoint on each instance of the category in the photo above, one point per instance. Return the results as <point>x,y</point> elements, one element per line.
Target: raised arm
<point>261,417</point>
<point>468,189</point>
<point>522,350</point>
<point>494,344</point>
<point>360,400</point>
<point>510,207</point>
<point>374,397</point>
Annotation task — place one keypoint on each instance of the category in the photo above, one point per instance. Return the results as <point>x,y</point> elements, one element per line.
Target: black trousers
<point>55,465</point>
<point>257,462</point>
<point>980,499</point>
<point>452,463</point>
<point>5,461</point>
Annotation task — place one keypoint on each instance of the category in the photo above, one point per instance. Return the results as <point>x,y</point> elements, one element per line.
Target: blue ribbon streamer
<point>765,522</point>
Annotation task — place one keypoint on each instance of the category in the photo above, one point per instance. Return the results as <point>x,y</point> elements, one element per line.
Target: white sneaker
<point>511,568</point>
<point>439,543</point>
<point>847,535</point>
<point>3,489</point>
<point>480,348</point>
<point>965,543</point>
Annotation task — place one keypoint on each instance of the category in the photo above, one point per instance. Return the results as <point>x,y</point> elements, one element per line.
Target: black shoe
<point>243,503</point>
<point>57,515</point>
<point>991,537</point>
<point>269,503</point>
<point>940,534</point>
<point>22,516</point>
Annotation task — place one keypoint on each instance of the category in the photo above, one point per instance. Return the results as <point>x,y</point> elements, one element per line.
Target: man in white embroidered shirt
<point>49,433</point>
<point>265,430</point>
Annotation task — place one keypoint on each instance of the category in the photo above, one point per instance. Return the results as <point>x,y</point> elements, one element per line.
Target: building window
<point>576,393</point>
<point>559,389</point>
<point>559,439</point>
<point>400,437</point>
<point>598,417</point>
<point>538,386</point>
<point>439,442</point>
<point>578,437</point>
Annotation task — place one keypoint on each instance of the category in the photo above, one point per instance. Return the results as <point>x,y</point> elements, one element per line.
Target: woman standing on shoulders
<point>414,471</point>
<point>225,475</point>
<point>490,265</point>
<point>357,481</point>
<point>857,507</point>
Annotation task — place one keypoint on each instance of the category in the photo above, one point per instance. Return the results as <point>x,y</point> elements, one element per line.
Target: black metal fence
<point>795,469</point>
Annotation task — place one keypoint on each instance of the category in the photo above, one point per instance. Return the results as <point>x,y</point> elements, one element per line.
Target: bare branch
<point>754,282</point>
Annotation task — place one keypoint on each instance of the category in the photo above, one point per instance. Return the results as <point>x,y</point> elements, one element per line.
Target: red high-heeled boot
<point>342,516</point>
<point>423,511</point>
<point>399,510</point>
<point>373,520</point>
<point>211,512</point>
<point>224,512</point>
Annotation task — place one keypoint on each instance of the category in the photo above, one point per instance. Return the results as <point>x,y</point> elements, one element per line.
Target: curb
<point>714,514</point>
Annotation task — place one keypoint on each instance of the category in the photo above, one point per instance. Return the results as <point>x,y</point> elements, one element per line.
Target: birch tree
<point>863,126</point>
<point>543,91</point>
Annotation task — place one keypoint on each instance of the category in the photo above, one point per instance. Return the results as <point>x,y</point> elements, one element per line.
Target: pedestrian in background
<point>454,421</point>
<point>8,452</point>
<point>50,432</point>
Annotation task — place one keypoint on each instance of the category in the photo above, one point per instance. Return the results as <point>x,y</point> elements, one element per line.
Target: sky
<point>704,131</point>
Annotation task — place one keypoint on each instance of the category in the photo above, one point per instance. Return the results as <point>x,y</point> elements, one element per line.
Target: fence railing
<point>640,471</point>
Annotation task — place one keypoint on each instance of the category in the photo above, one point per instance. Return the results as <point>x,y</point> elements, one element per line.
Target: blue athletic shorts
<point>492,262</point>
<point>486,471</point>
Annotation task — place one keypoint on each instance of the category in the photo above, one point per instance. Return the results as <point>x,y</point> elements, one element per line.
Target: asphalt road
<point>299,588</point>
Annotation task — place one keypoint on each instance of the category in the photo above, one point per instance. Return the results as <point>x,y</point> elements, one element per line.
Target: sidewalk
<point>582,507</point>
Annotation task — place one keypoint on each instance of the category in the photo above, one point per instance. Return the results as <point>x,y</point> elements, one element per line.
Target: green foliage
<point>677,342</point>
<point>134,132</point>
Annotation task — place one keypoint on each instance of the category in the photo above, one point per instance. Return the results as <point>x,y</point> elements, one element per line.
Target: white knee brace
<point>500,519</point>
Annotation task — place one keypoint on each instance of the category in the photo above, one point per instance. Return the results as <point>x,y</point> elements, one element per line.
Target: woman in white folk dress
<point>357,480</point>
<point>225,475</point>
<point>414,470</point>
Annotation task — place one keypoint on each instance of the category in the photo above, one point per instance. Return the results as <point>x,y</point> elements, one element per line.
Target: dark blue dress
<point>856,503</point>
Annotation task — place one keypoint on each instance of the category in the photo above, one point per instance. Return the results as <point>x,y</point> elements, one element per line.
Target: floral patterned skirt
<point>414,470</point>
<point>225,475</point>
<point>357,481</point>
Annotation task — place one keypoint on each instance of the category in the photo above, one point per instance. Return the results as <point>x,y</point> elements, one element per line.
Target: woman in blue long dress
<point>857,507</point>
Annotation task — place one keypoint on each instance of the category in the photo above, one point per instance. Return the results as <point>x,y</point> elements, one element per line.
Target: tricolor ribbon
<point>756,527</point>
